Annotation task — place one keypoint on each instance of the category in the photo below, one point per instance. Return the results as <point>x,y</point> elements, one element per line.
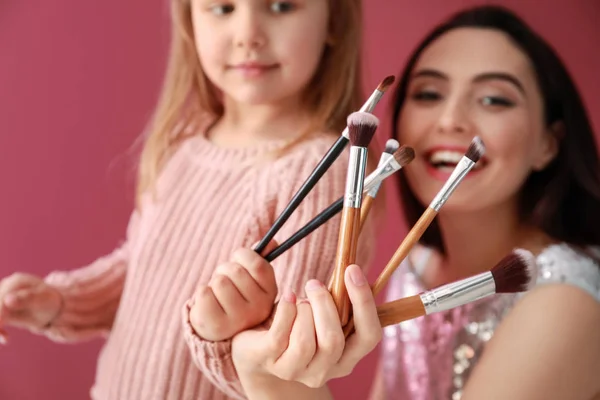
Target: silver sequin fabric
<point>431,358</point>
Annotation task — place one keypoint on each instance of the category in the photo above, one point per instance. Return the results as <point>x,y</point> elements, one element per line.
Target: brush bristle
<point>517,272</point>
<point>361,128</point>
<point>476,149</point>
<point>404,155</point>
<point>386,83</point>
<point>391,146</point>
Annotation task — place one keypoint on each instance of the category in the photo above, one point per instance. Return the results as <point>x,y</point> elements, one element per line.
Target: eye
<point>426,95</point>
<point>282,6</point>
<point>221,9</point>
<point>497,101</point>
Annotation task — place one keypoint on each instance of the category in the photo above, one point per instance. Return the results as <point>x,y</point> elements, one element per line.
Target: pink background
<point>78,81</point>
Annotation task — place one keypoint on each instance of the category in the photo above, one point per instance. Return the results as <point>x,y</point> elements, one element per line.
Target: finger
<point>228,296</point>
<point>281,327</point>
<point>368,330</point>
<point>18,300</point>
<point>301,347</point>
<point>3,336</point>
<point>243,281</point>
<point>206,310</point>
<point>13,283</point>
<point>260,270</point>
<point>329,333</point>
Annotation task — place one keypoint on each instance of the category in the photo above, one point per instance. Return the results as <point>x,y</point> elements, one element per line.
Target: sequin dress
<point>431,358</point>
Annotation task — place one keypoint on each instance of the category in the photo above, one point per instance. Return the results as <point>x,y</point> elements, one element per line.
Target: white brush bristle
<point>391,146</point>
<point>362,118</point>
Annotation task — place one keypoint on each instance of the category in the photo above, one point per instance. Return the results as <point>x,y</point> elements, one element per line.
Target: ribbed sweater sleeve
<point>90,294</point>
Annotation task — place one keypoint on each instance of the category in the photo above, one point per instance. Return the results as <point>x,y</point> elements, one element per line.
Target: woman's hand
<point>305,342</point>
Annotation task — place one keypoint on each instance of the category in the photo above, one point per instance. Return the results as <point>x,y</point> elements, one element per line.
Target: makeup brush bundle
<point>515,273</point>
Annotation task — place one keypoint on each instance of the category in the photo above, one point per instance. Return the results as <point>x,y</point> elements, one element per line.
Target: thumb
<point>364,308</point>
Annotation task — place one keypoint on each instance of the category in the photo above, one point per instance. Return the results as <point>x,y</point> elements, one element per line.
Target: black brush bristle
<point>361,128</point>
<point>391,146</point>
<point>386,83</point>
<point>517,272</point>
<point>404,155</point>
<point>476,149</point>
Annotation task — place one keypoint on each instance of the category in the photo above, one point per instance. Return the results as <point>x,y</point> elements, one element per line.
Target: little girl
<point>255,94</point>
<point>481,73</point>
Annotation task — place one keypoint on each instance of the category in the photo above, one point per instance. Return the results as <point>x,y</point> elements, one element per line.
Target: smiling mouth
<point>446,160</point>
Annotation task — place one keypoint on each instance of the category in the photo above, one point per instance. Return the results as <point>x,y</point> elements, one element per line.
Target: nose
<point>250,32</point>
<point>454,118</point>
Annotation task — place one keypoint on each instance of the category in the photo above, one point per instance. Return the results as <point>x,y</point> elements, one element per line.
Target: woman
<point>482,73</point>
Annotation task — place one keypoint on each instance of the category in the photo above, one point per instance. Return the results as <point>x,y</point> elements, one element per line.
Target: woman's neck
<point>244,125</point>
<point>475,241</point>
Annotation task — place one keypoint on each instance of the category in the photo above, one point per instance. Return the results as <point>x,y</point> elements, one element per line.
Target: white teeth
<point>445,156</point>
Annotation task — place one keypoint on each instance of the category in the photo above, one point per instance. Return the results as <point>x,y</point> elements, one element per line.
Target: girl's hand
<point>26,301</point>
<point>305,342</point>
<point>239,296</point>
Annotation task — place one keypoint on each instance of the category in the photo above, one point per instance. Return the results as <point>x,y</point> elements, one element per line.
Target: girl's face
<point>257,51</point>
<point>474,82</point>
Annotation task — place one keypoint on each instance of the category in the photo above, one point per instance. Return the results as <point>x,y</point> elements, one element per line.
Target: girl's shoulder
<point>565,264</point>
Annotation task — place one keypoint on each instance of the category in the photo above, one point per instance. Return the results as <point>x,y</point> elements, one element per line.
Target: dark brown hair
<point>563,199</point>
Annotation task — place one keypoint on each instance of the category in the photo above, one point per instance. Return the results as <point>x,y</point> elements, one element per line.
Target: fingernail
<point>3,339</point>
<point>289,296</point>
<point>313,285</point>
<point>356,275</point>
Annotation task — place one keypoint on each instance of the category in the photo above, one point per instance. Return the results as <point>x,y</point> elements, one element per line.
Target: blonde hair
<point>334,92</point>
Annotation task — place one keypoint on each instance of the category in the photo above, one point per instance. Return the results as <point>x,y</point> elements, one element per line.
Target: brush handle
<point>307,229</point>
<point>332,154</point>
<point>405,247</point>
<point>345,256</point>
<point>394,312</point>
<point>365,208</point>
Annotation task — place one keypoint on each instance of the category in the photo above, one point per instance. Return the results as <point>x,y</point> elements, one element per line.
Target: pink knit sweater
<point>209,201</point>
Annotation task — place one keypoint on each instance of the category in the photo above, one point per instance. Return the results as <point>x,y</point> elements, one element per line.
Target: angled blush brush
<point>475,151</point>
<point>328,159</point>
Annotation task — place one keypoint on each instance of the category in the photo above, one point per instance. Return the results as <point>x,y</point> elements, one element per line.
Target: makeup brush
<point>332,154</point>
<point>390,148</point>
<point>475,151</point>
<point>403,156</point>
<point>362,127</point>
<point>517,272</point>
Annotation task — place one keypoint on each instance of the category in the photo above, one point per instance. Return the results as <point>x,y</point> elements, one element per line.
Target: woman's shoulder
<point>566,264</point>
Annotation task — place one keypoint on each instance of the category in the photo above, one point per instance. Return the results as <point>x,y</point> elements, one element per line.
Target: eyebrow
<point>487,76</point>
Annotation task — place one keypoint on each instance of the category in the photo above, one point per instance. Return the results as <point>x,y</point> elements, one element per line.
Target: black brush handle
<point>332,154</point>
<point>307,229</point>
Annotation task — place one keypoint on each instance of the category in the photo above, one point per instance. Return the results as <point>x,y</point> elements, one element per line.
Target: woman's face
<point>474,82</point>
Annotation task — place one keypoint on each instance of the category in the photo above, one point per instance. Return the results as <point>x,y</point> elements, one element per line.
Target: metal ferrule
<point>357,167</point>
<point>372,101</point>
<point>460,171</point>
<point>386,169</point>
<point>382,161</point>
<point>458,293</point>
<point>368,106</point>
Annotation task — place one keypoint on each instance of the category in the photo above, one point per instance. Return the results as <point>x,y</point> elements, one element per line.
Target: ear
<point>549,146</point>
